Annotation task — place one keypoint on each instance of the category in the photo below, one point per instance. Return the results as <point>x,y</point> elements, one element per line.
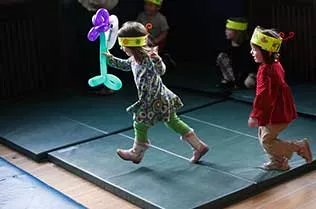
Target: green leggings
<point>175,123</point>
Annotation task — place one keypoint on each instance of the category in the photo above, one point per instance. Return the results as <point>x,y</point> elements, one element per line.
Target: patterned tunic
<point>155,101</point>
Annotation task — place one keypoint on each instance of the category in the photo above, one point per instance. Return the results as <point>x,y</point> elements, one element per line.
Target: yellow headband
<point>133,41</point>
<point>267,43</point>
<point>156,2</point>
<point>230,24</point>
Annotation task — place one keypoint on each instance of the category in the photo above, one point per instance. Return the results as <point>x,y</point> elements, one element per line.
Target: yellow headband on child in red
<point>267,43</point>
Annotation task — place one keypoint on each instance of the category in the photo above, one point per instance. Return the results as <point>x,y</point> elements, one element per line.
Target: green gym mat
<point>36,133</point>
<point>37,125</point>
<point>235,154</point>
<point>162,180</point>
<point>224,127</point>
<point>305,99</point>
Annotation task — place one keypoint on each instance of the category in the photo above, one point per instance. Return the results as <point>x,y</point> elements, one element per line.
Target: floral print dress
<point>155,101</point>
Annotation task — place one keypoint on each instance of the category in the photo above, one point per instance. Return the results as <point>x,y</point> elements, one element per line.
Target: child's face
<point>257,54</point>
<point>150,8</point>
<point>230,34</point>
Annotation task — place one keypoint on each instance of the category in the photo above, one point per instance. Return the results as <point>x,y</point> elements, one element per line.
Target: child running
<point>155,101</point>
<point>273,107</point>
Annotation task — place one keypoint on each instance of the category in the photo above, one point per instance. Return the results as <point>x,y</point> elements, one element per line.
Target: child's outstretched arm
<point>122,64</point>
<point>160,67</point>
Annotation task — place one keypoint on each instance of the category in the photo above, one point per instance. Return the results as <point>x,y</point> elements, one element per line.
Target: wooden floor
<point>299,193</point>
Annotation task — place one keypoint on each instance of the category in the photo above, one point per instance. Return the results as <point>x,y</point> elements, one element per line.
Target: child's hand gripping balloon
<point>106,27</point>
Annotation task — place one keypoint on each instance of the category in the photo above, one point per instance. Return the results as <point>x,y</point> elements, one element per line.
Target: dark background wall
<point>199,27</point>
<point>196,34</point>
<point>43,44</point>
<point>29,47</point>
<point>297,55</point>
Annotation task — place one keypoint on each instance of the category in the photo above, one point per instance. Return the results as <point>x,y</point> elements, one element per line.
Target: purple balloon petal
<point>97,20</point>
<point>93,34</point>
<point>101,22</point>
<point>102,16</point>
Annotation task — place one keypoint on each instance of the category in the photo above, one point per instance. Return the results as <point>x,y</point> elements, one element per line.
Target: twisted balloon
<point>102,24</point>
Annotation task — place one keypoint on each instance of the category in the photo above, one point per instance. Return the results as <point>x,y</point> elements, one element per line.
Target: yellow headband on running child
<point>156,2</point>
<point>267,43</point>
<point>230,24</point>
<point>133,41</point>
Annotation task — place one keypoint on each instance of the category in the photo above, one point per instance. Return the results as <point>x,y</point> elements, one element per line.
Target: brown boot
<point>199,147</point>
<point>277,164</point>
<point>134,154</point>
<point>304,150</point>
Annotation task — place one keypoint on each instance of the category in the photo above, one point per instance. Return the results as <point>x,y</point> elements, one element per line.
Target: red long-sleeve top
<point>274,102</point>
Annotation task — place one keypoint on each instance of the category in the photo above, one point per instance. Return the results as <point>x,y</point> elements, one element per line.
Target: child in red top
<point>273,107</point>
